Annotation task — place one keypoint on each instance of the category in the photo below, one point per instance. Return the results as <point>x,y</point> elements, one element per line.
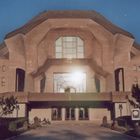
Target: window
<point>42,84</point>
<point>71,82</point>
<point>69,47</point>
<point>20,79</point>
<point>119,79</point>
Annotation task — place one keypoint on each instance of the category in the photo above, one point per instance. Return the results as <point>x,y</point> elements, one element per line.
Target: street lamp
<point>120,108</point>
<point>17,108</point>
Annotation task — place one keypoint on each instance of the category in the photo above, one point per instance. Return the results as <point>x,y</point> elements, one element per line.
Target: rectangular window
<point>76,82</point>
<point>69,47</point>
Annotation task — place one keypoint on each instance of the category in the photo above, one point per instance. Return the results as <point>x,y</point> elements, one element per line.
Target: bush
<point>37,122</point>
<point>104,121</point>
<point>10,126</point>
<point>125,121</point>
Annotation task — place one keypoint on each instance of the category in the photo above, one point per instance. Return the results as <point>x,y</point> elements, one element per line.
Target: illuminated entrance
<point>83,113</point>
<point>70,114</point>
<point>70,82</point>
<point>56,114</point>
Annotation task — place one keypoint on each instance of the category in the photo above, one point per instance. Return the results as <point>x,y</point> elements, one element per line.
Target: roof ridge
<point>50,14</point>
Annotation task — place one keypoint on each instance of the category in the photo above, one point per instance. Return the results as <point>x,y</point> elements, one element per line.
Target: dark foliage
<point>8,105</point>
<point>11,127</point>
<point>136,92</point>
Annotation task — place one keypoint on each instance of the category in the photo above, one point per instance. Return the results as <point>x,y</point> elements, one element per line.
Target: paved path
<point>72,131</point>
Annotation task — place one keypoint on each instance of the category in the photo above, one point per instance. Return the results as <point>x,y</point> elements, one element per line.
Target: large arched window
<point>20,79</point>
<point>69,47</point>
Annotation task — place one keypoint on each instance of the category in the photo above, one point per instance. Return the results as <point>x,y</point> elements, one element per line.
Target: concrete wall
<point>4,76</point>
<point>99,113</point>
<point>40,113</point>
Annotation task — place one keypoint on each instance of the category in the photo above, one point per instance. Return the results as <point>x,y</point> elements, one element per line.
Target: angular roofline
<point>136,45</point>
<point>58,14</point>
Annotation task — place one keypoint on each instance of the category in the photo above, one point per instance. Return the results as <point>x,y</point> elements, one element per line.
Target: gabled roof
<point>69,14</point>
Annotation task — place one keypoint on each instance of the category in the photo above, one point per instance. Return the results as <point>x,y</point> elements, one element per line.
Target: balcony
<point>41,97</point>
<point>69,97</point>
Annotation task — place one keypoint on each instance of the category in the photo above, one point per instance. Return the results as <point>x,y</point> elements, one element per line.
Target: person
<point>113,124</point>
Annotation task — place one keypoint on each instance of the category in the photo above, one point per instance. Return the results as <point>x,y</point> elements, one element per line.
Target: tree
<point>136,103</point>
<point>135,95</point>
<point>8,105</point>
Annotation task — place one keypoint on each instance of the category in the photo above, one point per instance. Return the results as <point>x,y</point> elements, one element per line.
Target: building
<point>69,65</point>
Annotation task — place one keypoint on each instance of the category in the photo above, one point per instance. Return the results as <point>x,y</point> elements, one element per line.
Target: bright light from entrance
<point>76,81</point>
<point>77,77</point>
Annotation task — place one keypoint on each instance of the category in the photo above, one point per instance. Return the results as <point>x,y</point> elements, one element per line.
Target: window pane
<point>80,49</point>
<point>79,41</point>
<point>59,41</point>
<point>68,44</point>
<point>58,55</point>
<point>58,49</point>
<point>69,39</point>
<point>69,47</point>
<point>76,82</point>
<point>80,55</point>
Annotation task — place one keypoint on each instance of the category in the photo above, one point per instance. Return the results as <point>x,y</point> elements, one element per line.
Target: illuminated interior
<point>70,82</point>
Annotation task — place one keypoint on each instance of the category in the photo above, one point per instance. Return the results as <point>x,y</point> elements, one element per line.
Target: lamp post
<point>120,108</point>
<point>17,108</point>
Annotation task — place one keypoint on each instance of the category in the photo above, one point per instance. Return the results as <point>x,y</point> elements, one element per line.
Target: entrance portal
<point>56,114</point>
<point>83,114</point>
<point>70,114</point>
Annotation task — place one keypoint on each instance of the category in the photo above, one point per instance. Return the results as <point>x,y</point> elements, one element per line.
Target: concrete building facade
<point>69,65</point>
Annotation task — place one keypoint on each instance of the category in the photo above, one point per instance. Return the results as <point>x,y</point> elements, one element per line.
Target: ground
<point>73,131</point>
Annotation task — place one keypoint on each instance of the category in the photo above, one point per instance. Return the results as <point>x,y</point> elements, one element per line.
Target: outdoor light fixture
<point>135,114</point>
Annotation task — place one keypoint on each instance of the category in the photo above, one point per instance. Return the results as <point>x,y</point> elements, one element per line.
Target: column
<point>76,114</point>
<point>63,111</point>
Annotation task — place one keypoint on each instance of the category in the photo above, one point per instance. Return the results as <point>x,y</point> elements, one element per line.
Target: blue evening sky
<point>124,13</point>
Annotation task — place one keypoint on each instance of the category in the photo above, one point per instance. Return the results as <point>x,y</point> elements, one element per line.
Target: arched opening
<point>69,47</point>
<point>20,80</point>
<point>42,84</point>
<point>119,79</point>
<point>97,84</point>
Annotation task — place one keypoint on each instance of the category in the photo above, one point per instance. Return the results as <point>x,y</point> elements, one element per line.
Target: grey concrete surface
<point>72,131</point>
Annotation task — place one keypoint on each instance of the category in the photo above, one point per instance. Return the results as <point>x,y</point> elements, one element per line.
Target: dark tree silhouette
<point>136,95</point>
<point>136,92</point>
<point>8,105</point>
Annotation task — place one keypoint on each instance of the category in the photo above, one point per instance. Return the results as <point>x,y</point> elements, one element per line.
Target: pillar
<point>76,114</point>
<point>63,114</point>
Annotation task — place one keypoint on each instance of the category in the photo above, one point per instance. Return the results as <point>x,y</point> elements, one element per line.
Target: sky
<point>123,13</point>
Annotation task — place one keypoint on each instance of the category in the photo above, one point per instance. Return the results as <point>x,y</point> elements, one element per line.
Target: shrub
<point>12,126</point>
<point>125,121</point>
<point>104,121</point>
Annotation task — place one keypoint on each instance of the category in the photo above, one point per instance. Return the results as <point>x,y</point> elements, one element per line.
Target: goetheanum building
<point>69,65</point>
